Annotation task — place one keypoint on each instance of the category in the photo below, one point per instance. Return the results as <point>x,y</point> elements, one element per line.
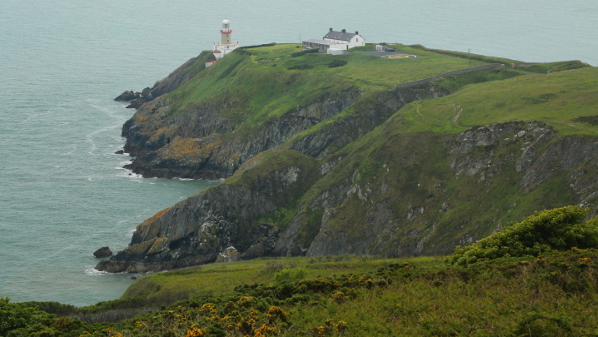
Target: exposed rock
<point>102,252</point>
<point>137,102</point>
<point>230,254</point>
<point>194,231</point>
<point>201,228</point>
<point>361,214</point>
<point>146,92</point>
<point>127,96</point>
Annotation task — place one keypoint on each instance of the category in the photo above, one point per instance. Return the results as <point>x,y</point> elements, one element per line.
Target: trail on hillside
<point>571,125</point>
<point>458,110</point>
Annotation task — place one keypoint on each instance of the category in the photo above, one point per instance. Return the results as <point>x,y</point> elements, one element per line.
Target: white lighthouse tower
<point>226,44</point>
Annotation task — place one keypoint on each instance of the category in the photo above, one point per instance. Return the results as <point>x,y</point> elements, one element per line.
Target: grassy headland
<point>432,175</point>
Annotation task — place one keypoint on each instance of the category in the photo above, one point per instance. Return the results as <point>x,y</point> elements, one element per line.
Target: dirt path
<point>458,111</point>
<point>572,125</point>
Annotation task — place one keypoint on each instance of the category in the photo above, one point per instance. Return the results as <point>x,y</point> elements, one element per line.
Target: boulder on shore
<point>102,252</point>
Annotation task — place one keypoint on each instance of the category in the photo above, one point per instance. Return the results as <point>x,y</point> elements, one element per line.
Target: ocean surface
<point>63,191</point>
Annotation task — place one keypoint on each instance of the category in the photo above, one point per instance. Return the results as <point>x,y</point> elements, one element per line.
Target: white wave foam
<point>94,272</point>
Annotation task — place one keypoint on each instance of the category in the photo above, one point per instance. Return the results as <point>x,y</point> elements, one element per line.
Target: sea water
<point>63,191</point>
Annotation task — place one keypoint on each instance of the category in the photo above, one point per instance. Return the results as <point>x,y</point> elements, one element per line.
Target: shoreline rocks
<point>102,252</point>
<point>128,95</point>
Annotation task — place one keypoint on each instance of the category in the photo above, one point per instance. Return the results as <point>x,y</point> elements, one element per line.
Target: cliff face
<point>368,204</point>
<point>423,194</point>
<point>200,142</point>
<point>198,229</point>
<point>345,170</point>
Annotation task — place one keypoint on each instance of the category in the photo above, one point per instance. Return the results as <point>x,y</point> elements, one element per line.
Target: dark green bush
<point>306,51</point>
<point>556,229</point>
<point>337,63</point>
<point>303,66</point>
<point>15,316</point>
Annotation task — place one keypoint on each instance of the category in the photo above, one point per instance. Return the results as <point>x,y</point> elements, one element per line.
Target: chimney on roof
<point>330,29</point>
<point>344,30</point>
<point>356,33</point>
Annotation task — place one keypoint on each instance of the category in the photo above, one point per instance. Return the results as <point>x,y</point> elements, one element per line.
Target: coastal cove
<point>65,192</point>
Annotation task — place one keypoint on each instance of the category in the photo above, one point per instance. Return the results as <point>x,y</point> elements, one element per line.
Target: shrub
<point>556,229</point>
<point>337,63</point>
<point>14,316</point>
<point>290,275</point>
<point>301,67</point>
<point>306,51</point>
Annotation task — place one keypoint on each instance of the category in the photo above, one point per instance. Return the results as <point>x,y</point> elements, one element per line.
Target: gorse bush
<point>507,297</point>
<point>14,316</point>
<point>337,63</point>
<point>556,229</point>
<point>289,275</point>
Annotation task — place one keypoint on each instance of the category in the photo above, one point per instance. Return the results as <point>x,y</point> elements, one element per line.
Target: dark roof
<point>341,36</point>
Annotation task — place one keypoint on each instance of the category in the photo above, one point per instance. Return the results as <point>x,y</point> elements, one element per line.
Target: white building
<point>336,41</point>
<point>226,44</point>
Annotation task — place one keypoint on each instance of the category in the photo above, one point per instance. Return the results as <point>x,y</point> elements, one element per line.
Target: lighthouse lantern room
<point>226,44</point>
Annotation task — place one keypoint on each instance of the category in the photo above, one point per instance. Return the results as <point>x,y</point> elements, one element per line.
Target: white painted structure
<point>336,41</point>
<point>226,44</point>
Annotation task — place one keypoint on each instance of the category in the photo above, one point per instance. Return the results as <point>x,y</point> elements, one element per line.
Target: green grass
<point>221,278</point>
<point>552,67</point>
<point>556,99</point>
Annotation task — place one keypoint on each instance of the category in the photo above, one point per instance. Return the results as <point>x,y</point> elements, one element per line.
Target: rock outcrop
<point>199,229</point>
<point>102,252</point>
<point>128,95</point>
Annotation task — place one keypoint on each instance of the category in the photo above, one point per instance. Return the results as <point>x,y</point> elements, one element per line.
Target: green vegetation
<point>469,56</point>
<point>549,295</point>
<point>557,229</point>
<point>553,67</point>
<point>556,99</point>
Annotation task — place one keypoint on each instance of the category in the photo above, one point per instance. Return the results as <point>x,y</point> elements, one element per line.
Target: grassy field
<point>220,279</point>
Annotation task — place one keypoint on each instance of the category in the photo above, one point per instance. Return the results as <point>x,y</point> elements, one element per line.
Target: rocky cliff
<point>351,170</point>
